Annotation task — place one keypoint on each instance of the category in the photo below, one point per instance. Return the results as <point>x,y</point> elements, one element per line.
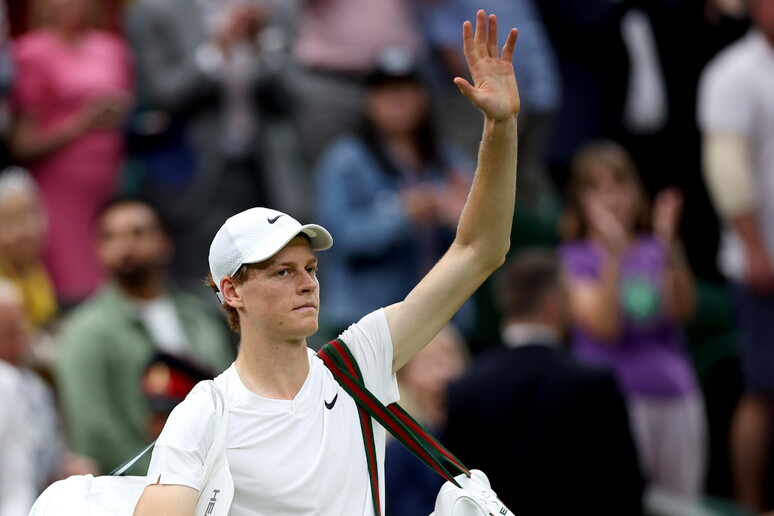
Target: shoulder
<point>739,57</point>
<point>93,313</point>
<point>193,420</point>
<point>735,69</point>
<point>34,44</point>
<point>371,329</point>
<point>370,342</point>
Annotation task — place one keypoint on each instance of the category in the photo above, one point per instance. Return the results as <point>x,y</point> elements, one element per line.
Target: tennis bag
<point>467,494</point>
<point>117,494</point>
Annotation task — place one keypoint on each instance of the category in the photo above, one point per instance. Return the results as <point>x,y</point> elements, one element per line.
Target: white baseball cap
<point>256,235</point>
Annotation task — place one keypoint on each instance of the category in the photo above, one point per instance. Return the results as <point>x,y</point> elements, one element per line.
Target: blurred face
<point>14,332</point>
<point>397,107</point>
<point>132,245</point>
<point>762,12</point>
<point>437,365</point>
<point>281,296</point>
<point>606,187</point>
<point>21,229</point>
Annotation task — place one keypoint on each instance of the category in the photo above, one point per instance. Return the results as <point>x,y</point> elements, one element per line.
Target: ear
<point>231,292</point>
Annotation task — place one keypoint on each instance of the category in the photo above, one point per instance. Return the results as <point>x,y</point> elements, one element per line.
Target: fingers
<point>467,41</point>
<point>465,87</point>
<point>482,41</point>
<point>491,39</point>
<point>480,37</point>
<point>510,44</point>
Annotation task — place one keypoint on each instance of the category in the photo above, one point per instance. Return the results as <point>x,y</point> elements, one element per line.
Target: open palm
<point>494,90</point>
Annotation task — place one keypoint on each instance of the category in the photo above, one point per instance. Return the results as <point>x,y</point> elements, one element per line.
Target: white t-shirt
<point>736,97</point>
<point>288,457</point>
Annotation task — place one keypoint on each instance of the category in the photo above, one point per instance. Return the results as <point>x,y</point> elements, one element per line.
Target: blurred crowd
<point>621,362</point>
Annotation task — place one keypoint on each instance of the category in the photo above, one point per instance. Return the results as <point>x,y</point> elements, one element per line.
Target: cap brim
<point>319,238</point>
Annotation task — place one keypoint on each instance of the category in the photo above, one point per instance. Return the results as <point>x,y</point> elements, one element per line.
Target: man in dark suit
<point>551,434</point>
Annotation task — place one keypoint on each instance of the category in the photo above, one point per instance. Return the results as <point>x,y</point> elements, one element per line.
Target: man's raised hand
<point>494,90</point>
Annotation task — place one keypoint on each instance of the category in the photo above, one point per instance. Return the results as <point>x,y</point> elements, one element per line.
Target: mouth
<point>305,308</point>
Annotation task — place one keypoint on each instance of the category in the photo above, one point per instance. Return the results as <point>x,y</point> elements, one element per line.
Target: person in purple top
<point>631,287</point>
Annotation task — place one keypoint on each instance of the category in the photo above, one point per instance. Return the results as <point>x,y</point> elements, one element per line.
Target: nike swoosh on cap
<point>272,221</point>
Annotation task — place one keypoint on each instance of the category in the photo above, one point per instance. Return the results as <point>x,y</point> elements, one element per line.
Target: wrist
<point>494,123</point>
<point>677,256</point>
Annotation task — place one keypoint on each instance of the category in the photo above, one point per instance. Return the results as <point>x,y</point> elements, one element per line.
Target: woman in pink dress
<point>72,93</point>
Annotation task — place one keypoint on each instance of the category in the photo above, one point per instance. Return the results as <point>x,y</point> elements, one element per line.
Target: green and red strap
<point>338,358</point>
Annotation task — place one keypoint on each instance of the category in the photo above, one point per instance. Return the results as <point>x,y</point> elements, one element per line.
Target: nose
<point>307,282</point>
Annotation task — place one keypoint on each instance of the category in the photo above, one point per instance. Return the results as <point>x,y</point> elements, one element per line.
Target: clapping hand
<point>494,90</point>
<point>667,209</point>
<point>604,223</point>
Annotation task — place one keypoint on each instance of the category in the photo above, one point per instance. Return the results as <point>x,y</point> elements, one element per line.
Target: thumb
<point>465,87</point>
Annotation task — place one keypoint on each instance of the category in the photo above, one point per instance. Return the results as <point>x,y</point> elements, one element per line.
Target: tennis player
<point>294,438</point>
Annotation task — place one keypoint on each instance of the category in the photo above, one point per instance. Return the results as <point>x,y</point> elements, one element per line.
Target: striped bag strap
<point>338,358</point>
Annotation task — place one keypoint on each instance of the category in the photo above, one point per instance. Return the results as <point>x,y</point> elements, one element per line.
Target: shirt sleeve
<point>725,103</point>
<point>370,342</point>
<point>181,449</point>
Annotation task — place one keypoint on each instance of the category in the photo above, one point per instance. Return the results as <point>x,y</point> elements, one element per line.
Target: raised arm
<point>483,233</point>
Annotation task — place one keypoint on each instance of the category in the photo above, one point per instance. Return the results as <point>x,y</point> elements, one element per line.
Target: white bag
<point>115,495</point>
<point>474,498</point>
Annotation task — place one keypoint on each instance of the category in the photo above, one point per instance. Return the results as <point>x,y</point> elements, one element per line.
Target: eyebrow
<point>311,261</point>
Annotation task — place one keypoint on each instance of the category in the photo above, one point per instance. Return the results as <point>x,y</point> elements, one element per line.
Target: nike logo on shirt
<point>332,403</point>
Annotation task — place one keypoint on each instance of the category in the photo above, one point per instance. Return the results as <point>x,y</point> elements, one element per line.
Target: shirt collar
<point>520,334</point>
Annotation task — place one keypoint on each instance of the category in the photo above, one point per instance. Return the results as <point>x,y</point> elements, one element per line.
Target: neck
<point>67,33</point>
<point>272,368</point>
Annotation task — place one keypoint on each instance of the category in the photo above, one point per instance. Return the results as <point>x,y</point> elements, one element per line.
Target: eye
<point>282,272</point>
<point>311,270</point>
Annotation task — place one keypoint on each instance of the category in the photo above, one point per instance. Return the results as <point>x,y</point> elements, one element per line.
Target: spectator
<point>552,430</point>
<point>338,43</point>
<point>22,231</point>
<point>108,340</point>
<point>412,487</point>
<point>736,116</point>
<point>17,481</point>
<point>395,185</point>
<point>539,87</point>
<point>209,76</point>
<point>45,453</point>
<point>630,287</point>
<point>71,95</point>
<point>165,382</point>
